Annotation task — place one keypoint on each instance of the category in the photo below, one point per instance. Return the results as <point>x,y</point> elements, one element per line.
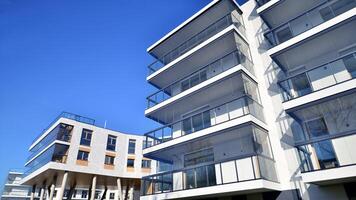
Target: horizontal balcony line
<point>236,108</point>
<point>303,84</point>
<point>326,137</point>
<point>45,149</point>
<point>233,170</point>
<point>308,19</point>
<point>195,40</point>
<point>204,73</point>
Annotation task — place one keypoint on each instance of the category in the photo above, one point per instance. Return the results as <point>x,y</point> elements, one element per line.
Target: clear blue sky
<point>84,57</point>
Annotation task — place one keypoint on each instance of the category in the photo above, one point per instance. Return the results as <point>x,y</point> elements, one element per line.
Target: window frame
<point>111,158</point>
<point>131,150</point>
<point>86,132</point>
<point>146,166</point>
<point>83,157</point>
<point>111,142</point>
<point>133,162</point>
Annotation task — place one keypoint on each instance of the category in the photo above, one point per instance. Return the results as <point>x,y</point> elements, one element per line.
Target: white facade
<point>74,158</point>
<point>256,102</point>
<point>12,189</point>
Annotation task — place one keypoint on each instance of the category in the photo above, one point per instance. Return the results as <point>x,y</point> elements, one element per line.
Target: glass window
<point>187,126</point>
<point>112,195</point>
<point>111,143</point>
<point>130,162</point>
<point>316,127</point>
<point>132,146</point>
<point>326,155</point>
<point>190,179</point>
<point>86,137</point>
<point>206,119</point>
<point>146,144</point>
<point>326,13</point>
<point>350,64</point>
<point>84,194</point>
<point>199,157</point>
<point>197,122</point>
<point>146,164</point>
<point>109,160</point>
<point>201,176</point>
<point>194,80</point>
<point>185,85</point>
<point>203,76</point>
<point>211,175</point>
<point>301,85</point>
<point>97,195</point>
<point>283,34</point>
<point>83,155</point>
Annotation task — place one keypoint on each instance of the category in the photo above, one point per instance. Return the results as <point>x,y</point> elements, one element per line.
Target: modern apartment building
<point>75,159</point>
<point>256,102</point>
<point>12,189</point>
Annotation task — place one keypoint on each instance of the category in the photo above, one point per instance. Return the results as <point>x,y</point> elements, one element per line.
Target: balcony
<point>262,2</point>
<point>56,153</point>
<point>207,72</point>
<point>308,20</point>
<point>62,132</point>
<point>229,111</point>
<point>329,161</point>
<point>331,40</point>
<point>230,19</point>
<point>334,72</point>
<point>209,177</point>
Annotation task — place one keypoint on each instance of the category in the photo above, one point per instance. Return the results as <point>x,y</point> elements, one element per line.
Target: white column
<point>33,192</point>
<point>42,190</point>
<point>63,186</point>
<point>119,189</point>
<point>93,188</point>
<point>51,192</point>
<point>131,191</point>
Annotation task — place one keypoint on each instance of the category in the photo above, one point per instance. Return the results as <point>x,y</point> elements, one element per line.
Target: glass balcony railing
<point>262,2</point>
<point>234,109</point>
<point>219,25</point>
<point>56,153</point>
<point>67,115</point>
<point>326,75</point>
<point>327,154</point>
<point>209,71</point>
<point>249,168</point>
<point>305,21</point>
<point>62,132</point>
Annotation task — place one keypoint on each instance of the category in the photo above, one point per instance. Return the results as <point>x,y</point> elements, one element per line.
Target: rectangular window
<point>97,195</point>
<point>112,195</point>
<point>109,160</point>
<point>146,164</point>
<point>132,146</point>
<point>131,162</point>
<point>86,137</point>
<point>316,127</point>
<point>111,144</point>
<point>301,85</point>
<point>84,194</point>
<point>325,154</point>
<point>83,155</point>
<point>202,156</point>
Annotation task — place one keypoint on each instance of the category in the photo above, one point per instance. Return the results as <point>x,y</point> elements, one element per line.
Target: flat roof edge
<point>190,19</point>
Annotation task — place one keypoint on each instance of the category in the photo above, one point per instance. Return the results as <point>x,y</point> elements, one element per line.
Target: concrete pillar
<point>51,191</point>
<point>63,186</point>
<point>42,191</point>
<point>93,188</point>
<point>131,191</point>
<point>119,189</point>
<point>32,197</point>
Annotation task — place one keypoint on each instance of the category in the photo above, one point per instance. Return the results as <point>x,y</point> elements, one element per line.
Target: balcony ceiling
<point>201,22</point>
<point>204,56</point>
<point>221,91</point>
<point>285,10</point>
<point>218,140</point>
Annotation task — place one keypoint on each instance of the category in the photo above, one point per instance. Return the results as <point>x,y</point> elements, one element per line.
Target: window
<point>350,64</point>
<point>86,137</point>
<point>66,193</point>
<point>74,193</point>
<point>97,195</point>
<point>112,195</point>
<point>84,194</point>
<point>132,146</point>
<point>202,156</point>
<point>283,34</point>
<point>111,144</point>
<point>109,160</point>
<point>146,164</point>
<point>316,127</point>
<point>326,154</point>
<point>83,155</point>
<point>301,85</point>
<point>130,162</point>
<point>55,193</point>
